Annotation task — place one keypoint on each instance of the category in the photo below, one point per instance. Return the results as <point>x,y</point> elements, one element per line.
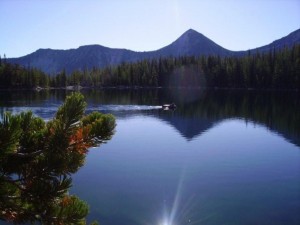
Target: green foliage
<point>271,70</point>
<point>101,126</point>
<point>71,111</point>
<point>16,76</point>
<point>37,159</point>
<point>10,131</point>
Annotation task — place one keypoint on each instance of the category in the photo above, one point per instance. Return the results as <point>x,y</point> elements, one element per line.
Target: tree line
<point>276,69</point>
<point>17,76</point>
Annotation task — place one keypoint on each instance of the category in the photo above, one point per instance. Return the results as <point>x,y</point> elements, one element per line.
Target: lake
<point>222,157</point>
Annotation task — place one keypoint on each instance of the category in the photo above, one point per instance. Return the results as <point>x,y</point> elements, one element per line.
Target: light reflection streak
<point>181,209</point>
<point>170,218</point>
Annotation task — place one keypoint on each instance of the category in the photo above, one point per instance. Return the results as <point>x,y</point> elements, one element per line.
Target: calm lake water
<point>222,157</point>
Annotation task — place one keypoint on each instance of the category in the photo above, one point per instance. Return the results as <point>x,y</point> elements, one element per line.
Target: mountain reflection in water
<point>197,109</point>
<point>173,165</point>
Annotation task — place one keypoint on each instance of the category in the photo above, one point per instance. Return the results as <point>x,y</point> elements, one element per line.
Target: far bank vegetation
<point>271,70</point>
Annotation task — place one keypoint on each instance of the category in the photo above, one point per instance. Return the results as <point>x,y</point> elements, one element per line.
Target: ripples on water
<point>48,112</point>
<point>224,158</point>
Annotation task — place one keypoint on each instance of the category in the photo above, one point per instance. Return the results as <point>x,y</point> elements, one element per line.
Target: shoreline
<point>78,88</point>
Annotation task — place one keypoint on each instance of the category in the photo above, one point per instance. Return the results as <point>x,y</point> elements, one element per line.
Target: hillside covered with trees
<point>272,70</point>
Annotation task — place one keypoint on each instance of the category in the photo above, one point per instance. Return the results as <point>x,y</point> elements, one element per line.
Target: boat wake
<point>48,112</point>
<point>123,108</point>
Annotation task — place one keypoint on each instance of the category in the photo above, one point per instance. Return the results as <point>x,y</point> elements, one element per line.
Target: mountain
<point>288,41</point>
<point>53,61</point>
<point>194,44</point>
<point>190,43</point>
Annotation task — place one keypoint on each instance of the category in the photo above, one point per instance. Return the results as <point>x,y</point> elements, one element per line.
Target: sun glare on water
<point>166,222</point>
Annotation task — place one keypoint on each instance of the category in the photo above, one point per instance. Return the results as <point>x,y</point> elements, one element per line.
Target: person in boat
<point>172,106</point>
<point>169,106</point>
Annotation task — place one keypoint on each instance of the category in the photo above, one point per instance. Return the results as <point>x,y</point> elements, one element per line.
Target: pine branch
<point>27,155</point>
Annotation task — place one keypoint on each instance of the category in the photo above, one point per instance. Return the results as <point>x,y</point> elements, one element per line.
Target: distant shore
<point>78,88</point>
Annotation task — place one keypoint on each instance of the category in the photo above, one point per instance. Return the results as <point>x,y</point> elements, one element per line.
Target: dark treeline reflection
<point>277,111</point>
<point>197,109</point>
<point>29,97</point>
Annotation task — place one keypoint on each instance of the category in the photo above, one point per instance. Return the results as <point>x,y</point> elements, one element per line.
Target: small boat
<point>171,106</point>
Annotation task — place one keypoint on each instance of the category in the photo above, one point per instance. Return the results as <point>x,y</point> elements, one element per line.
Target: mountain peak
<point>190,43</point>
<point>194,43</point>
<point>190,33</point>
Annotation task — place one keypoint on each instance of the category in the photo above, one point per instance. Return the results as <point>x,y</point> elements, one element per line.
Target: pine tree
<point>37,158</point>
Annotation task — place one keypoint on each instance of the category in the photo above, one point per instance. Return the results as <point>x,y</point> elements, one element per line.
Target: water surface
<point>222,157</point>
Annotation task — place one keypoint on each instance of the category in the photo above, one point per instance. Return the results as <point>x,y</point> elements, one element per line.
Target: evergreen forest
<point>278,69</point>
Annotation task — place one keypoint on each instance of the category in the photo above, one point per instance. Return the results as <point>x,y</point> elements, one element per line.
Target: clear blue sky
<point>141,25</point>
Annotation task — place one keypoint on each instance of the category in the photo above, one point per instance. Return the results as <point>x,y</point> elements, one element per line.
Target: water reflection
<point>232,173</point>
<point>277,111</point>
<point>149,174</point>
<point>198,110</point>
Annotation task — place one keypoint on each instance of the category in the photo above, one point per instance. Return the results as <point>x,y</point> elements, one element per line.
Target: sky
<point>141,25</point>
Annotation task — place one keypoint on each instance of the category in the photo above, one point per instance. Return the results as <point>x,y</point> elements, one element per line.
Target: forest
<point>272,70</point>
